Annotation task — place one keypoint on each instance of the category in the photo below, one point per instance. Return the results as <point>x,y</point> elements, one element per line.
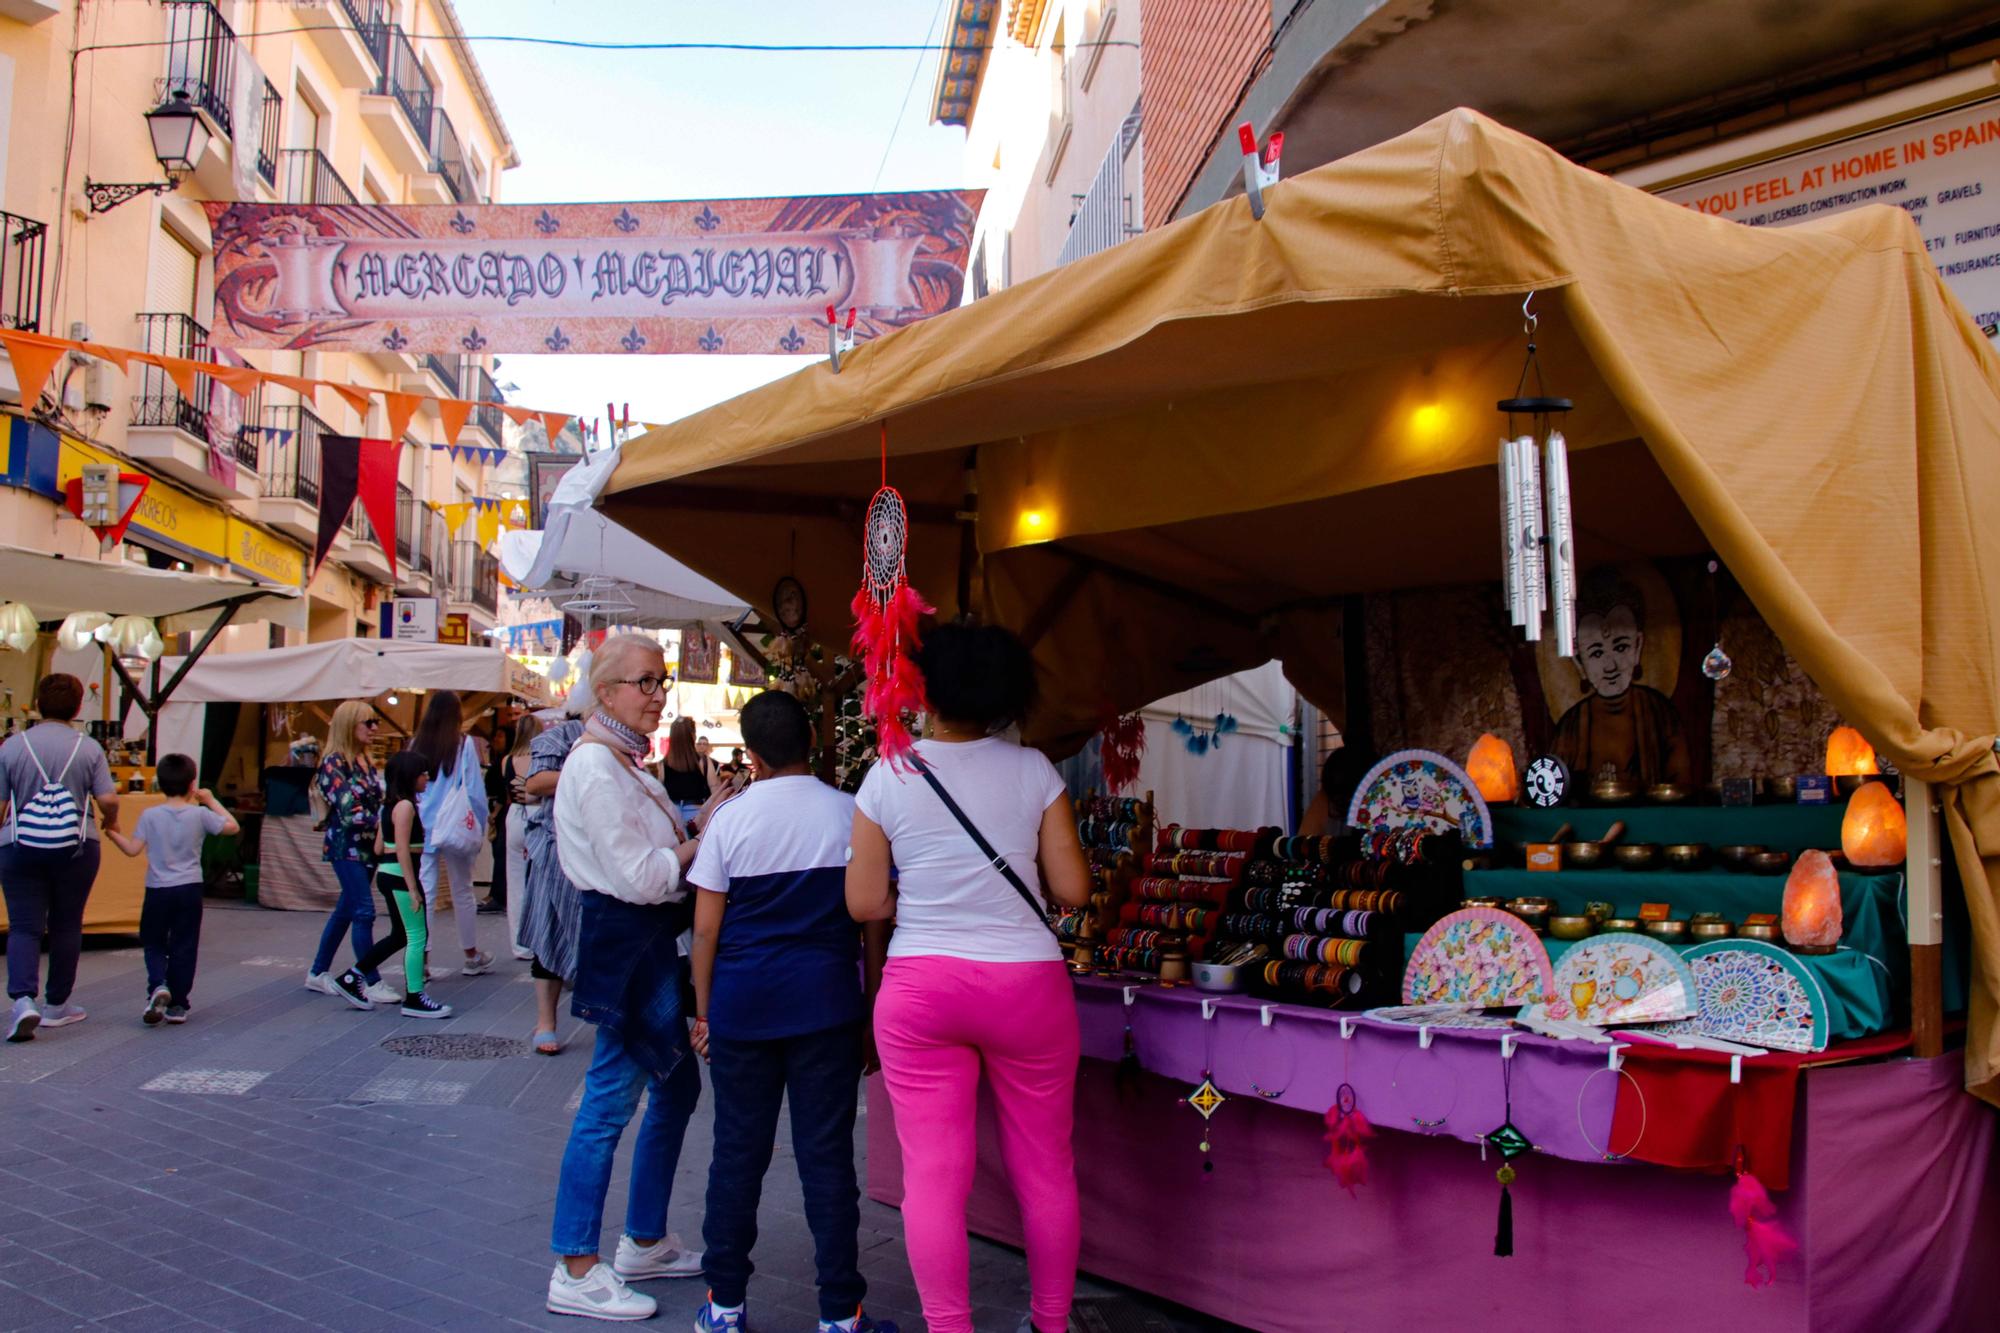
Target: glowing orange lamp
<point>1491,768</point>
<point>1848,753</point>
<point>1811,917</point>
<point>1874,832</point>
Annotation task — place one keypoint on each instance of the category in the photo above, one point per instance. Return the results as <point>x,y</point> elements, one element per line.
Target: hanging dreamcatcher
<point>1121,745</point>
<point>887,611</point>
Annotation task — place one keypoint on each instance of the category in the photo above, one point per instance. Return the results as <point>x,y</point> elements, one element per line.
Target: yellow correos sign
<point>261,556</point>
<point>164,511</point>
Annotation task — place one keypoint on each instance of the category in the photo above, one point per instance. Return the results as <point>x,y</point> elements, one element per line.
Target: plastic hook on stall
<point>1346,1027</point>
<point>839,337</point>
<point>1423,1038</point>
<point>1207,1010</point>
<point>1265,1012</point>
<point>1131,994</point>
<point>1614,1059</point>
<point>1506,1046</point>
<point>1260,171</point>
<point>1735,1069</point>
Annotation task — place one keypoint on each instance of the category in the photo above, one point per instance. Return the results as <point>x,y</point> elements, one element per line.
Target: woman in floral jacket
<point>352,789</point>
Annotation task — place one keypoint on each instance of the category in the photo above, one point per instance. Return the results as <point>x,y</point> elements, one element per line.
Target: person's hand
<point>204,796</point>
<point>698,1036</point>
<point>871,1059</point>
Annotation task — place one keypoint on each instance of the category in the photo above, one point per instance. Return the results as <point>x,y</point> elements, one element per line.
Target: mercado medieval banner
<point>729,276</point>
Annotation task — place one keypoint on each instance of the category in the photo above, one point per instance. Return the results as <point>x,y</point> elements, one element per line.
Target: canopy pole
<point>1924,871</point>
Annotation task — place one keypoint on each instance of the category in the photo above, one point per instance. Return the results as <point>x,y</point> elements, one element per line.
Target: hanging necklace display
<point>886,614</point>
<point>1607,1153</point>
<point>1291,1066</point>
<point>1537,543</point>
<point>1511,1143</point>
<point>1206,1098</point>
<point>1423,1122</point>
<point>1716,666</point>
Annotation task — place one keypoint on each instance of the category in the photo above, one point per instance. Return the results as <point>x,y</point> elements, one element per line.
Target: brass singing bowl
<point>1769,934</point>
<point>1583,855</point>
<point>1624,925</point>
<point>1686,855</point>
<point>1782,789</point>
<point>1495,903</point>
<point>1572,927</point>
<point>1738,854</point>
<point>1671,931</point>
<point>1614,791</point>
<point>1636,855</point>
<point>1770,863</point>
<point>1668,793</point>
<point>1711,930</point>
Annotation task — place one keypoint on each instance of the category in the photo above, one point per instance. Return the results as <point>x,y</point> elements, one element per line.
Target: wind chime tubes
<point>1537,546</point>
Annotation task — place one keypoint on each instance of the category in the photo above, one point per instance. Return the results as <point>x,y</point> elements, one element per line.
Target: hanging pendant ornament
<point>1511,1143</point>
<point>1207,1099</point>
<point>1347,1133</point>
<point>887,612</point>
<point>1717,666</point>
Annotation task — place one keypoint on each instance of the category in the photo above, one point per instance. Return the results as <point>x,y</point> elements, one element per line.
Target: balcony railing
<point>448,156</point>
<point>159,401</point>
<point>481,389</point>
<point>475,576</point>
<point>291,461</point>
<point>403,76</point>
<point>1103,215</point>
<point>201,59</point>
<point>271,131</point>
<point>446,370</point>
<point>308,178</point>
<point>21,243</point>
<point>366,16</point>
<point>247,446</point>
<point>409,530</point>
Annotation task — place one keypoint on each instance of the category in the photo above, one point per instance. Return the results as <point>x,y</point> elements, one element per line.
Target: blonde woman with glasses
<point>352,789</point>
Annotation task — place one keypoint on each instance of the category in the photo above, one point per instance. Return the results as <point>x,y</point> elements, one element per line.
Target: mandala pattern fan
<point>1757,993</point>
<point>1421,787</point>
<point>1481,958</point>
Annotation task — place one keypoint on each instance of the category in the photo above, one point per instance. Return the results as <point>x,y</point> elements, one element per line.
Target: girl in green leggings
<point>399,841</point>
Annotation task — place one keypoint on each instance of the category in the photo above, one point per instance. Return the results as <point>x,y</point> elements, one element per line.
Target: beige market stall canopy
<point>1184,449</point>
<point>357,669</point>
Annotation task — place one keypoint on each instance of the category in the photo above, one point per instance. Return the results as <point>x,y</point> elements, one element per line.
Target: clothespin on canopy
<point>1259,173</point>
<point>839,339</point>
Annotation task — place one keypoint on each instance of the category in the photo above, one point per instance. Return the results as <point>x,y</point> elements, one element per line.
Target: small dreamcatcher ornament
<point>1347,1133</point>
<point>1122,744</point>
<point>887,611</point>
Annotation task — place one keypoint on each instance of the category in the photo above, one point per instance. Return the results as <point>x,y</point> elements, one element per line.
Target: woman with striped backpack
<point>50,775</point>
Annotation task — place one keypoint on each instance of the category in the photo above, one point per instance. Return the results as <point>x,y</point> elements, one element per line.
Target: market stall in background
<point>1635,943</point>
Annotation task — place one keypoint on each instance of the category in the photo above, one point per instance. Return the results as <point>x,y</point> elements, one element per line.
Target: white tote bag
<point>457,827</point>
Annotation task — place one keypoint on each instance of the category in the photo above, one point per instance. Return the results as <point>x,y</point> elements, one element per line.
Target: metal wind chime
<point>1537,543</point>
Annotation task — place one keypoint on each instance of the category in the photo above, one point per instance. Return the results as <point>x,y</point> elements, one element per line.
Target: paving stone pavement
<point>269,1165</point>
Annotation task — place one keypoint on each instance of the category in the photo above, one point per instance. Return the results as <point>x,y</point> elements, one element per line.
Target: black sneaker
<point>421,1005</point>
<point>177,1013</point>
<point>354,989</point>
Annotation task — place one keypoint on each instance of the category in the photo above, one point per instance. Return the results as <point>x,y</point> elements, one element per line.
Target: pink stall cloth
<point>1895,1200</point>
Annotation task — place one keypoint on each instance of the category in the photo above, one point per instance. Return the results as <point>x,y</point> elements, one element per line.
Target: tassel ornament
<point>887,614</point>
<point>1347,1133</point>
<point>1765,1240</point>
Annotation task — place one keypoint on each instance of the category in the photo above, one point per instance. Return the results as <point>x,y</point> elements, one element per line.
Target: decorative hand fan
<point>1750,991</point>
<point>1421,787</point>
<point>1480,958</point>
<point>1621,978</point>
<point>886,614</point>
<point>1444,1016</point>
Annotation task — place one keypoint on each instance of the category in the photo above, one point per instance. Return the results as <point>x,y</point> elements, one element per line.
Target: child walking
<point>399,848</point>
<point>169,836</point>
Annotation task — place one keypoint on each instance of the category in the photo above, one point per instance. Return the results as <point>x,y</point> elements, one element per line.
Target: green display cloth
<point>1782,828</point>
<point>1860,991</point>
<point>1871,905</point>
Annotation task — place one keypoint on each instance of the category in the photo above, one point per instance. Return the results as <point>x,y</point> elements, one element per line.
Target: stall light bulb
<point>1427,421</point>
<point>79,629</point>
<point>391,699</point>
<point>18,627</point>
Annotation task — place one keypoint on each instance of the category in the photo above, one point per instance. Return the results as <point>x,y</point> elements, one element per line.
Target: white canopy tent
<point>53,586</point>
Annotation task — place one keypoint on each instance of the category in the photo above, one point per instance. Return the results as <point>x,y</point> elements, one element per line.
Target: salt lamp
<point>1491,768</point>
<point>1811,912</point>
<point>1874,831</point>
<point>1848,752</point>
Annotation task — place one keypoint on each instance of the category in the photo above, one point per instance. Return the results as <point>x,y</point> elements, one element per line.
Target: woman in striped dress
<point>550,911</point>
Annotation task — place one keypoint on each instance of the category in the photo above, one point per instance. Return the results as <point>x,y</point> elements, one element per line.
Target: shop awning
<point>354,669</point>
<point>1184,450</point>
<point>53,586</point>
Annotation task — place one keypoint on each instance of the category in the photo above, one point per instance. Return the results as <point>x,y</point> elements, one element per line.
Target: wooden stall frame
<point>1924,876</point>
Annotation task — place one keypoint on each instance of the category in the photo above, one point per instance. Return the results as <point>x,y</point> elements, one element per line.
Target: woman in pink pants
<point>974,978</point>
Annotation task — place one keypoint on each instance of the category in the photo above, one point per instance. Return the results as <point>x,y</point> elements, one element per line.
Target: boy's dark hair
<point>175,774</point>
<point>59,697</point>
<point>399,778</point>
<point>981,675</point>
<point>776,730</point>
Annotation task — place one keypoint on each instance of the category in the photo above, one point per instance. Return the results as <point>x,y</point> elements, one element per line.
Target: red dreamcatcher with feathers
<point>888,615</point>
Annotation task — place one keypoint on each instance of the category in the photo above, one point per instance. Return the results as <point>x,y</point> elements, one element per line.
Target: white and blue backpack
<point>50,820</point>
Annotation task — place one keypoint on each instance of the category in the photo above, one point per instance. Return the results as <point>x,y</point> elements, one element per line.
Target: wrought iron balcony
<point>475,576</point>
<point>159,401</point>
<point>409,530</point>
<point>308,178</point>
<point>201,60</point>
<point>291,461</point>
<point>270,133</point>
<point>403,76</point>
<point>448,156</point>
<point>445,368</point>
<point>21,248</point>
<point>481,389</point>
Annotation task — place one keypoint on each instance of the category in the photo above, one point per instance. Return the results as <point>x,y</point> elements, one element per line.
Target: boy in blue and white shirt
<point>782,1012</point>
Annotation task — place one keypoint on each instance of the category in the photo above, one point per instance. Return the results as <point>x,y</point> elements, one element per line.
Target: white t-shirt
<point>949,899</point>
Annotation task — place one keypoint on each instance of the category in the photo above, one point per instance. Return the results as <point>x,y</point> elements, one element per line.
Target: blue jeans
<point>170,934</point>
<point>45,891</point>
<point>355,913</point>
<point>610,1095</point>
<point>819,1074</point>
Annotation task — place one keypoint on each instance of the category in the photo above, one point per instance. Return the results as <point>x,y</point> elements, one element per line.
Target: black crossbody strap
<point>993,858</point>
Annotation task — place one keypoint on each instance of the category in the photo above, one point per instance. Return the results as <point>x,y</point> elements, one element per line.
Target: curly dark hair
<point>977,675</point>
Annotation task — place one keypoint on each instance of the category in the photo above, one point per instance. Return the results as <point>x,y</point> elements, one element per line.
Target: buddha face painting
<point>1608,645</point>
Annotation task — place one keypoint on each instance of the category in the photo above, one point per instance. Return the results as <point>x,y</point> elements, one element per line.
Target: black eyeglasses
<point>370,722</point>
<point>648,685</point>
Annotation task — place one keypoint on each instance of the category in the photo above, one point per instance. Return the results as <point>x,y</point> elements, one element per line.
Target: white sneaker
<point>523,955</point>
<point>156,1006</point>
<point>598,1294</point>
<point>23,1019</point>
<point>478,965</point>
<point>62,1015</point>
<point>663,1258</point>
<point>433,972</point>
<point>322,983</point>
<point>383,993</point>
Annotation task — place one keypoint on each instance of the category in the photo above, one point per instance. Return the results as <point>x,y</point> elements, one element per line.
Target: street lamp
<point>179,137</point>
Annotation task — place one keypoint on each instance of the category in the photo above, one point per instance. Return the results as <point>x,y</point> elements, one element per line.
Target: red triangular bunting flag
<point>452,415</point>
<point>34,360</point>
<point>402,407</point>
<point>377,488</point>
<point>553,423</point>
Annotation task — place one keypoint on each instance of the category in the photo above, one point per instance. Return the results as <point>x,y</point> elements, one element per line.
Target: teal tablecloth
<point>1782,828</point>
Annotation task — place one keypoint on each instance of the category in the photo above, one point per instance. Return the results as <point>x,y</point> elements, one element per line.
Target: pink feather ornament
<point>1347,1133</point>
<point>1765,1241</point>
<point>887,615</point>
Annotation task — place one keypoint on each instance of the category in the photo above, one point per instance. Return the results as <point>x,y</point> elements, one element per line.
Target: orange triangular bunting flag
<point>520,416</point>
<point>357,397</point>
<point>402,407</point>
<point>452,415</point>
<point>553,423</point>
<point>304,387</point>
<point>239,380</point>
<point>34,360</point>
<point>117,356</point>
<point>182,372</point>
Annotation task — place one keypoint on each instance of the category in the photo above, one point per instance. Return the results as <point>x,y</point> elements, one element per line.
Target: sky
<point>607,125</point>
